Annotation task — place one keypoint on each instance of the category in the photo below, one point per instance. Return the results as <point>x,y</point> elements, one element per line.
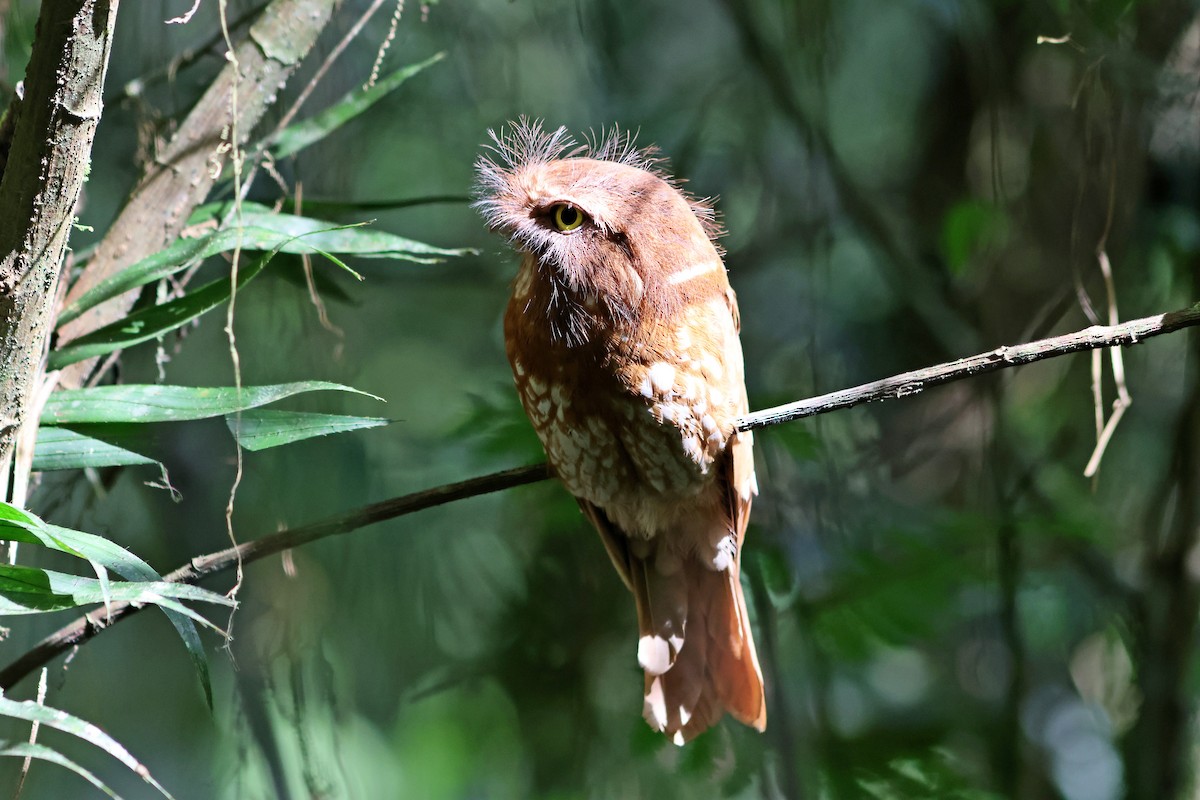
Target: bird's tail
<point>696,646</point>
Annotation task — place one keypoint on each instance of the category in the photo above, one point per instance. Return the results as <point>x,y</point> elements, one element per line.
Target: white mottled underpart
<point>662,376</point>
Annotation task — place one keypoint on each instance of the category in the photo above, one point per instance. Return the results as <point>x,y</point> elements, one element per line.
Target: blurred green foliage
<point>946,607</point>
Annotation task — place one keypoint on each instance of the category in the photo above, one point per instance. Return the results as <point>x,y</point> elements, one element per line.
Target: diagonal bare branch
<point>897,386</point>
<point>909,383</point>
<point>184,173</point>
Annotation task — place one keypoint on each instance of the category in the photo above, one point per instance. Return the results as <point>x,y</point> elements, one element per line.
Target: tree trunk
<point>53,128</point>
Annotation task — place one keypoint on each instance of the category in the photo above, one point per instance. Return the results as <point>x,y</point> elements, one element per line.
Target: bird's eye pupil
<point>567,218</point>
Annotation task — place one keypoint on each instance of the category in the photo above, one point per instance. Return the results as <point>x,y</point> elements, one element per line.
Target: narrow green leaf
<point>309,234</point>
<point>296,137</point>
<point>64,448</point>
<point>21,526</point>
<point>28,590</point>
<point>258,227</point>
<point>183,619</point>
<point>153,322</point>
<point>68,723</point>
<point>36,532</point>
<point>10,513</point>
<point>156,403</point>
<point>43,753</point>
<point>174,258</point>
<point>263,429</point>
<point>132,568</point>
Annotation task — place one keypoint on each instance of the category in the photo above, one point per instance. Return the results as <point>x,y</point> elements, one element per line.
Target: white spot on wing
<point>678,739</point>
<point>726,551</point>
<point>684,715</point>
<point>655,656</point>
<point>694,271</point>
<point>655,706</point>
<point>749,487</point>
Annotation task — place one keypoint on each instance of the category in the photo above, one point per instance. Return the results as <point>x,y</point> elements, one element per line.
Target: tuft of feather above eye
<point>526,143</point>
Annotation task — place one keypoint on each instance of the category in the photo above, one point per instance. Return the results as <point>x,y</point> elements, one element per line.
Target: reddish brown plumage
<point>622,333</point>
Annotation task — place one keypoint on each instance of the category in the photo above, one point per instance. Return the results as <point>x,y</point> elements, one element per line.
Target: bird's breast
<point>634,426</point>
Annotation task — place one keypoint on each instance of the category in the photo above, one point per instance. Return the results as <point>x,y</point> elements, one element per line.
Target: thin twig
<point>910,383</point>
<point>337,50</point>
<point>33,734</point>
<point>136,87</point>
<point>903,385</point>
<point>1124,399</point>
<point>88,626</point>
<point>327,206</point>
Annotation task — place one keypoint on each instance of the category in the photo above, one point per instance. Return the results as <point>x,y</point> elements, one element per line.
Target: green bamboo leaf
<point>181,253</point>
<point>263,429</point>
<point>28,590</point>
<point>18,525</point>
<point>311,234</point>
<point>153,322</point>
<point>43,753</point>
<point>89,446</point>
<point>258,227</point>
<point>68,723</point>
<point>295,138</point>
<point>157,403</point>
<point>124,563</point>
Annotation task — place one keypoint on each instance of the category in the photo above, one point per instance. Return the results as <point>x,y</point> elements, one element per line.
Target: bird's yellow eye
<point>567,218</point>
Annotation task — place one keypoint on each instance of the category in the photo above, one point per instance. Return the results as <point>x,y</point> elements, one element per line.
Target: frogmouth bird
<point>622,332</point>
